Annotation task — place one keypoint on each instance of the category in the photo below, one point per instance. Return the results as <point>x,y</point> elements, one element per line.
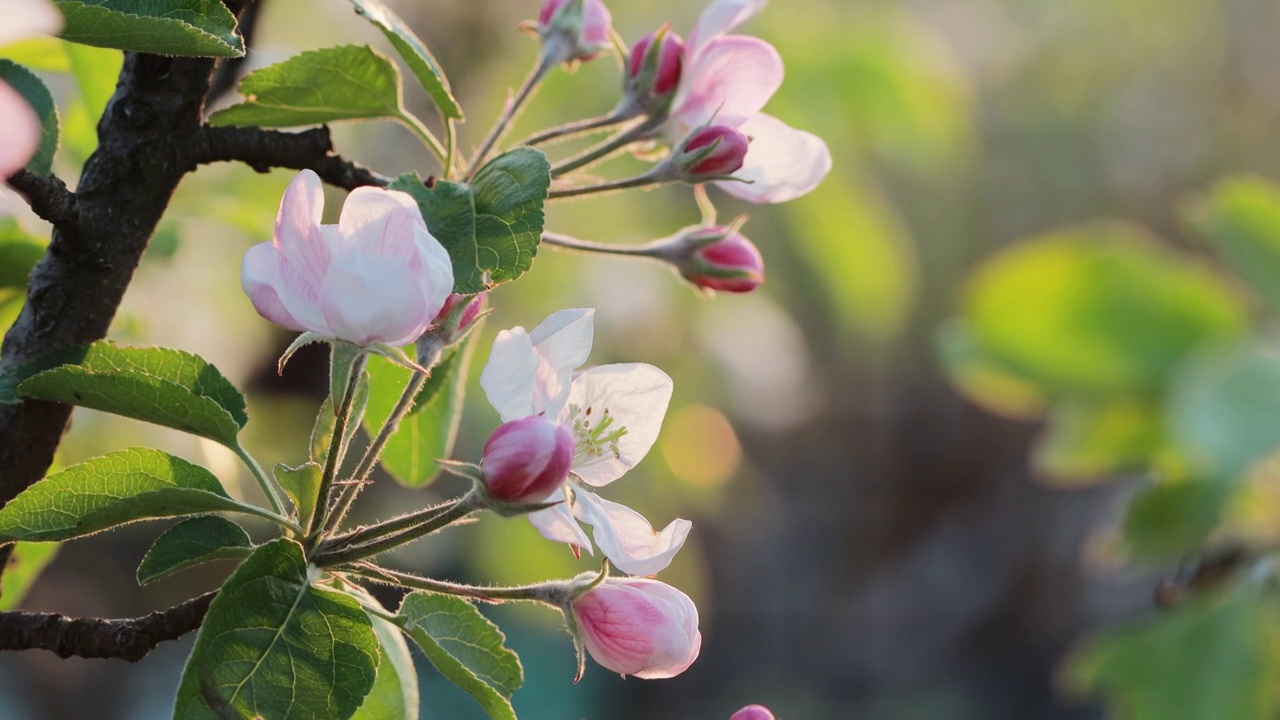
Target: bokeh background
<point>866,543</point>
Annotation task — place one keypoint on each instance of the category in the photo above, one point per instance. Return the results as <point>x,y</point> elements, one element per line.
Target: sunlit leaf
<point>162,27</point>
<point>1241,218</point>
<point>1168,520</point>
<point>983,378</point>
<point>274,646</point>
<point>1089,440</point>
<point>33,90</point>
<point>26,563</point>
<point>190,543</point>
<point>414,52</point>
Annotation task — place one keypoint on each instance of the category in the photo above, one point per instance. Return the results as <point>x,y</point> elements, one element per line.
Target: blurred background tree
<point>867,543</point>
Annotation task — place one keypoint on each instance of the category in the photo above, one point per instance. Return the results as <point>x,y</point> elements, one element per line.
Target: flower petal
<point>720,17</point>
<point>510,377</point>
<point>368,299</point>
<point>627,539</point>
<point>260,278</point>
<point>557,523</point>
<point>380,222</point>
<point>729,81</point>
<point>28,18</point>
<point>782,162</point>
<point>19,131</point>
<point>634,396</point>
<point>303,247</point>
<point>563,342</point>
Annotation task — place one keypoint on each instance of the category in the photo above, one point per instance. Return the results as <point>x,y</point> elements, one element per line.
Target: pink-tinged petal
<point>510,377</point>
<point>21,19</point>
<point>627,538</point>
<point>782,163</point>
<point>720,17</point>
<point>729,82</point>
<point>639,627</point>
<point>436,280</point>
<point>563,342</point>
<point>305,248</point>
<point>368,299</point>
<point>380,222</point>
<point>557,523</point>
<point>753,712</point>
<point>19,131</point>
<point>628,396</point>
<point>260,278</point>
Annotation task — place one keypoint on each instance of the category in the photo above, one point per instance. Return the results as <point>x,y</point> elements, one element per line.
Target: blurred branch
<point>227,72</point>
<point>129,639</point>
<point>48,197</point>
<point>265,149</point>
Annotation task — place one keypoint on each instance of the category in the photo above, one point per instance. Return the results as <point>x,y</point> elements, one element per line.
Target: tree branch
<point>48,197</point>
<point>129,639</point>
<point>264,149</point>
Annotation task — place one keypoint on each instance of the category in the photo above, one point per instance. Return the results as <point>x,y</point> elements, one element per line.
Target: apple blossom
<point>730,263</point>
<point>614,413</point>
<point>710,152</point>
<point>753,712</point>
<point>378,276</point>
<point>526,460</point>
<point>19,125</point>
<point>574,30</point>
<point>727,79</point>
<point>638,626</point>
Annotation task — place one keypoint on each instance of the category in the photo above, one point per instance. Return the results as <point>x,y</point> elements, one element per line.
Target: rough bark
<point>129,639</point>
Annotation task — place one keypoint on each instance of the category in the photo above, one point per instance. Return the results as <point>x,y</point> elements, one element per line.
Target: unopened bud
<point>474,304</point>
<point>527,460</point>
<point>574,30</point>
<point>653,72</point>
<point>718,258</point>
<point>639,627</point>
<point>752,712</point>
<point>712,152</point>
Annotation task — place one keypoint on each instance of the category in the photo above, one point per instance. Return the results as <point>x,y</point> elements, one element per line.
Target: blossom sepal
<point>303,340</point>
<point>397,356</point>
<point>578,587</point>
<point>460,316</point>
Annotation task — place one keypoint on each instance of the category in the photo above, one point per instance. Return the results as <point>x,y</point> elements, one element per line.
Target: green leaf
<point>509,194</point>
<point>1241,219</point>
<point>1224,409</point>
<point>1211,658</point>
<point>274,646</point>
<point>350,82</point>
<point>117,488</point>
<point>190,543</point>
<point>37,95</point>
<point>1086,441</point>
<point>201,28</point>
<point>1168,520</point>
<point>302,485</point>
<point>428,432</point>
<point>25,565</point>
<point>95,71</point>
<point>1098,310</point>
<point>19,253</point>
<point>395,693</point>
<point>983,378</point>
<point>465,647</point>
<point>492,227</point>
<point>414,52</point>
<point>157,385</point>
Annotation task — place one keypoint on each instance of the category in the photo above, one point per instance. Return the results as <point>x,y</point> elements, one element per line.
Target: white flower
<point>614,412</point>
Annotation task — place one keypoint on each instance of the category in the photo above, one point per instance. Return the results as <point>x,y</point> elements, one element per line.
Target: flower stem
<point>563,132</point>
<point>509,112</point>
<point>555,594</point>
<point>566,242</point>
<point>338,446</point>
<point>260,475</point>
<point>385,536</point>
<point>371,454</point>
<point>635,133</point>
<point>428,139</point>
<point>635,182</point>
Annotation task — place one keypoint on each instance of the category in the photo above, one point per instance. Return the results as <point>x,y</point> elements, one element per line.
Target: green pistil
<point>594,440</point>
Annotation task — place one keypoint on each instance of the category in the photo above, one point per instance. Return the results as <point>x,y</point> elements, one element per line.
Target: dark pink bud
<point>577,35</point>
<point>753,712</point>
<point>527,460</point>
<point>731,264</point>
<point>475,303</point>
<point>670,61</point>
<point>711,151</point>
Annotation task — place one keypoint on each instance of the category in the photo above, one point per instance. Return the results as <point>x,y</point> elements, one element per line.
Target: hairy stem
<point>626,137</point>
<point>564,132</point>
<point>385,536</point>
<point>555,594</point>
<point>509,113</point>
<point>638,181</point>
<point>566,242</point>
<point>338,446</point>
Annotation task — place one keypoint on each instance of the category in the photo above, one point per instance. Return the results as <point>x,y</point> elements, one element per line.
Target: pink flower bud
<point>731,263</point>
<point>637,626</point>
<point>667,66</point>
<point>378,276</point>
<point>527,460</point>
<point>712,151</point>
<point>475,303</point>
<point>753,712</point>
<point>574,30</point>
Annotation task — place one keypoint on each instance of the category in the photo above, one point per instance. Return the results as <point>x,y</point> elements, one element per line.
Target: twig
<point>49,198</point>
<point>265,149</point>
<point>129,639</point>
